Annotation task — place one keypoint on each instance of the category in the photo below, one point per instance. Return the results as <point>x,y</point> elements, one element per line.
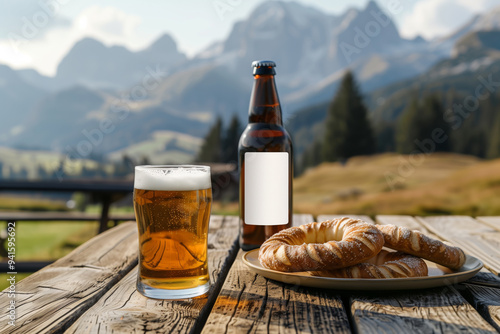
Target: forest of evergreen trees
<point>430,122</point>
<point>221,144</point>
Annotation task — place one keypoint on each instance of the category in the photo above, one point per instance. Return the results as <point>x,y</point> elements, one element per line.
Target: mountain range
<point>470,76</point>
<point>140,94</point>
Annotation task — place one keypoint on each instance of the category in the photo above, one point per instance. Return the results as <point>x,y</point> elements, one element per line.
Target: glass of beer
<point>172,207</point>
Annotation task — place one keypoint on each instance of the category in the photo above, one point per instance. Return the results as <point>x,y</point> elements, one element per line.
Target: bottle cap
<point>263,67</point>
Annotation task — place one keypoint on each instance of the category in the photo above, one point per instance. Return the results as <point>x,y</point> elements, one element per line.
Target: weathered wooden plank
<point>439,310</point>
<point>328,217</point>
<point>251,303</point>
<point>52,298</point>
<point>491,221</point>
<point>474,238</point>
<point>478,297</point>
<point>123,309</point>
<point>300,219</point>
<point>485,300</point>
<point>436,310</point>
<point>484,277</point>
<point>406,221</point>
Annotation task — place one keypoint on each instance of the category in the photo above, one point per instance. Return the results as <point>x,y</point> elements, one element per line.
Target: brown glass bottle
<point>265,162</point>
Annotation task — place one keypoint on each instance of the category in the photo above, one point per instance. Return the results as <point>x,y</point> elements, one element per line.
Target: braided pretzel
<point>418,244</point>
<point>329,245</point>
<point>383,265</point>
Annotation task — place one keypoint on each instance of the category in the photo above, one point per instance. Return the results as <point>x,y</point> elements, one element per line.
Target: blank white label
<point>266,188</point>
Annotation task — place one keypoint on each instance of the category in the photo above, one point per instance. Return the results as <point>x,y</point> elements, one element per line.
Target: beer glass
<point>172,207</point>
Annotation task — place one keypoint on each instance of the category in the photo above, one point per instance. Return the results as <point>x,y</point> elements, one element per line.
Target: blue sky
<point>38,33</point>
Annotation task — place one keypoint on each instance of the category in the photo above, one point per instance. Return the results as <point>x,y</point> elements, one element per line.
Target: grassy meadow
<point>39,241</point>
<point>441,183</point>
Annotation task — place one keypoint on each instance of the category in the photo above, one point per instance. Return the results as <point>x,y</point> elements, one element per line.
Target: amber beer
<point>265,163</point>
<point>172,207</point>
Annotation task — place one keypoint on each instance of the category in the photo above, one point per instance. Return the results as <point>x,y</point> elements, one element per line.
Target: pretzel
<point>383,265</point>
<point>418,244</point>
<point>329,245</point>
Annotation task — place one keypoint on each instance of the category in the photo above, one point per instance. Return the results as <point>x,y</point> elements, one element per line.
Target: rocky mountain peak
<point>164,44</point>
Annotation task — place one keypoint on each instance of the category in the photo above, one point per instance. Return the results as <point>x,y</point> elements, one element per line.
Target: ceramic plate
<point>438,276</point>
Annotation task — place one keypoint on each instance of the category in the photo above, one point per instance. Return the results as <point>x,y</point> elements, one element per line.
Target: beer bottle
<point>265,163</point>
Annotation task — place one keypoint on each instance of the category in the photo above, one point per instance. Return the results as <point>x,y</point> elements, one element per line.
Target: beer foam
<point>172,178</point>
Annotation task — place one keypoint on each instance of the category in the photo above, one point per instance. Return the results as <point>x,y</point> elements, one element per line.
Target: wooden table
<point>92,290</point>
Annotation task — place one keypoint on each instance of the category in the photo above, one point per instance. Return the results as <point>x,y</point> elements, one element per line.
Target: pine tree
<point>145,160</point>
<point>230,141</point>
<point>423,122</point>
<point>316,153</point>
<point>41,173</point>
<point>348,130</point>
<point>434,126</point>
<point>311,157</point>
<point>406,131</point>
<point>128,164</point>
<point>211,149</point>
<point>306,161</point>
<point>494,145</point>
<point>385,137</point>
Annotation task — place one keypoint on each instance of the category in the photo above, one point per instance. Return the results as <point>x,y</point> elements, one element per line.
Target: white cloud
<point>28,15</point>
<point>433,18</point>
<point>110,25</point>
<point>107,24</point>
